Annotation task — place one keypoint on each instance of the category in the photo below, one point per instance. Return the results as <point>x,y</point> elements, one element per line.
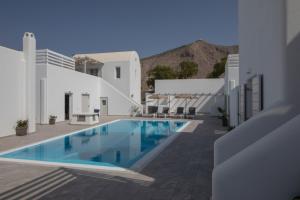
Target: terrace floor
<point>181,171</point>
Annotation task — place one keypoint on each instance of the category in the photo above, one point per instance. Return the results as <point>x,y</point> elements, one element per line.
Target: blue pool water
<point>120,143</point>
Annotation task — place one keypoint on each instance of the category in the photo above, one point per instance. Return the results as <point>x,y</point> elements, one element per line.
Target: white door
<point>85,103</point>
<point>103,106</point>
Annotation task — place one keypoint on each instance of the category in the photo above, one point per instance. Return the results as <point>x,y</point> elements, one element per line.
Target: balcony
<point>46,56</point>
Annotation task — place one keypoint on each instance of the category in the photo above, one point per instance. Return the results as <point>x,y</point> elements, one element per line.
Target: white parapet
<point>268,169</point>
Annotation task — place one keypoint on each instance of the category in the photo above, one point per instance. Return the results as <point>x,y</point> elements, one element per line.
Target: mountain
<point>200,52</point>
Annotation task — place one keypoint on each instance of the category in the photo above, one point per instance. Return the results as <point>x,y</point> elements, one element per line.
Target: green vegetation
<point>22,123</point>
<point>160,72</point>
<point>186,70</point>
<point>219,69</point>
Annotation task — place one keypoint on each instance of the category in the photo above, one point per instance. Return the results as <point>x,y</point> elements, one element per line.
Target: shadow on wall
<point>204,103</point>
<point>241,155</point>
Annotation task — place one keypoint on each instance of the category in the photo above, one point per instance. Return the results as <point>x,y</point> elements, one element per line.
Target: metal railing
<point>46,56</point>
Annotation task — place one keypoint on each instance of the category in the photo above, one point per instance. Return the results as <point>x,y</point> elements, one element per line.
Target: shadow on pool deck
<point>181,171</point>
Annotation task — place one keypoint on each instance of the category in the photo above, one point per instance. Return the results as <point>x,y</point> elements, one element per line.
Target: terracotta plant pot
<point>21,131</point>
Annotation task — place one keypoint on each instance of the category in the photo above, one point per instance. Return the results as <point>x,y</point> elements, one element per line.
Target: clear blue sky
<point>147,26</point>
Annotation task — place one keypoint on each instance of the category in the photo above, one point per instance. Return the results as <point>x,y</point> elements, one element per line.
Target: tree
<point>160,72</point>
<point>219,69</point>
<point>187,69</point>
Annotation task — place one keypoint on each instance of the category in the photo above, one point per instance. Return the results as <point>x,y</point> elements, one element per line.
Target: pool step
<point>40,186</point>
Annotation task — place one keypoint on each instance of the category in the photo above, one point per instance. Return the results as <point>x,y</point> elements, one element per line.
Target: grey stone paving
<point>181,171</point>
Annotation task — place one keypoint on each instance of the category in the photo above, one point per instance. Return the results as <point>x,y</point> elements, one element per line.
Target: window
<point>118,72</point>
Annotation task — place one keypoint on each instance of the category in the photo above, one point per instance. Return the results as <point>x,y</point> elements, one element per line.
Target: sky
<point>146,26</point>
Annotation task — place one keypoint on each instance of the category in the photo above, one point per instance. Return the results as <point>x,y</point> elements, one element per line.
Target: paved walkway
<point>181,171</point>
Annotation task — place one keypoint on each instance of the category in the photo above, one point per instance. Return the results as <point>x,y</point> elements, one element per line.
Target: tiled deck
<point>181,171</point>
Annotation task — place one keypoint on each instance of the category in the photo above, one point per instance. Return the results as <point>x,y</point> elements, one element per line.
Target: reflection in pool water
<point>121,143</point>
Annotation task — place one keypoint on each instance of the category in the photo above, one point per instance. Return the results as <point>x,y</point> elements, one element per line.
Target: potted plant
<point>223,116</point>
<point>135,111</point>
<point>52,119</point>
<point>22,127</point>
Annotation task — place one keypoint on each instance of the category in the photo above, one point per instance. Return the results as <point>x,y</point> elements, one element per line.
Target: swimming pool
<point>118,144</point>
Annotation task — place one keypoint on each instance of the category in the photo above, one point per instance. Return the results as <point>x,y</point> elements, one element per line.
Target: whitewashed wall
<point>130,81</point>
<point>231,82</point>
<point>191,86</point>
<point>12,88</point>
<point>262,45</point>
<point>209,94</point>
<point>61,81</point>
<point>135,78</point>
<point>269,45</point>
<point>109,74</point>
<point>118,103</point>
<point>231,73</point>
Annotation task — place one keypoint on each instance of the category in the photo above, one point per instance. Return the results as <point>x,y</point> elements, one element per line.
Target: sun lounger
<point>164,113</point>
<point>179,112</point>
<point>152,111</point>
<point>192,113</point>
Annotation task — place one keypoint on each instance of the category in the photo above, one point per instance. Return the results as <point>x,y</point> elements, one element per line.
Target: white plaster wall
<point>191,86</point>
<point>118,103</point>
<point>209,95</point>
<point>240,156</point>
<point>268,169</point>
<point>12,88</point>
<point>60,81</point>
<point>231,83</point>
<point>41,72</point>
<point>135,78</point>
<point>233,105</point>
<point>262,45</point>
<point>232,74</point>
<point>109,74</point>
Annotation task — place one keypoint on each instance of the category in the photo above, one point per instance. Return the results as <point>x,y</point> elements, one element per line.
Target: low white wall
<point>209,94</point>
<point>12,87</point>
<point>190,86</point>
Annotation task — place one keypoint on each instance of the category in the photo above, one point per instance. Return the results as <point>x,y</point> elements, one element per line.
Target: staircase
<point>40,186</point>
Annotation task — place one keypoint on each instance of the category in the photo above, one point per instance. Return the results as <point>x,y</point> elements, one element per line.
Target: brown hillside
<point>200,52</point>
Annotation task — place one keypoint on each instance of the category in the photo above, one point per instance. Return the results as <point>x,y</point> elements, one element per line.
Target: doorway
<point>67,106</point>
<point>248,99</point>
<point>103,105</point>
<point>85,103</point>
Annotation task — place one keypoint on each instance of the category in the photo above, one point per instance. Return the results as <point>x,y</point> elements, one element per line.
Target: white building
<point>259,158</point>
<point>231,88</point>
<point>206,95</point>
<point>37,84</point>
<point>121,69</point>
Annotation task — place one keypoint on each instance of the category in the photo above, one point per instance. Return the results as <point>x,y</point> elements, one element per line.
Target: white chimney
<point>29,50</point>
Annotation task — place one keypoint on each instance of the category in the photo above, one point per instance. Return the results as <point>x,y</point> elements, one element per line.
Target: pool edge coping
<point>136,167</point>
<point>151,155</point>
